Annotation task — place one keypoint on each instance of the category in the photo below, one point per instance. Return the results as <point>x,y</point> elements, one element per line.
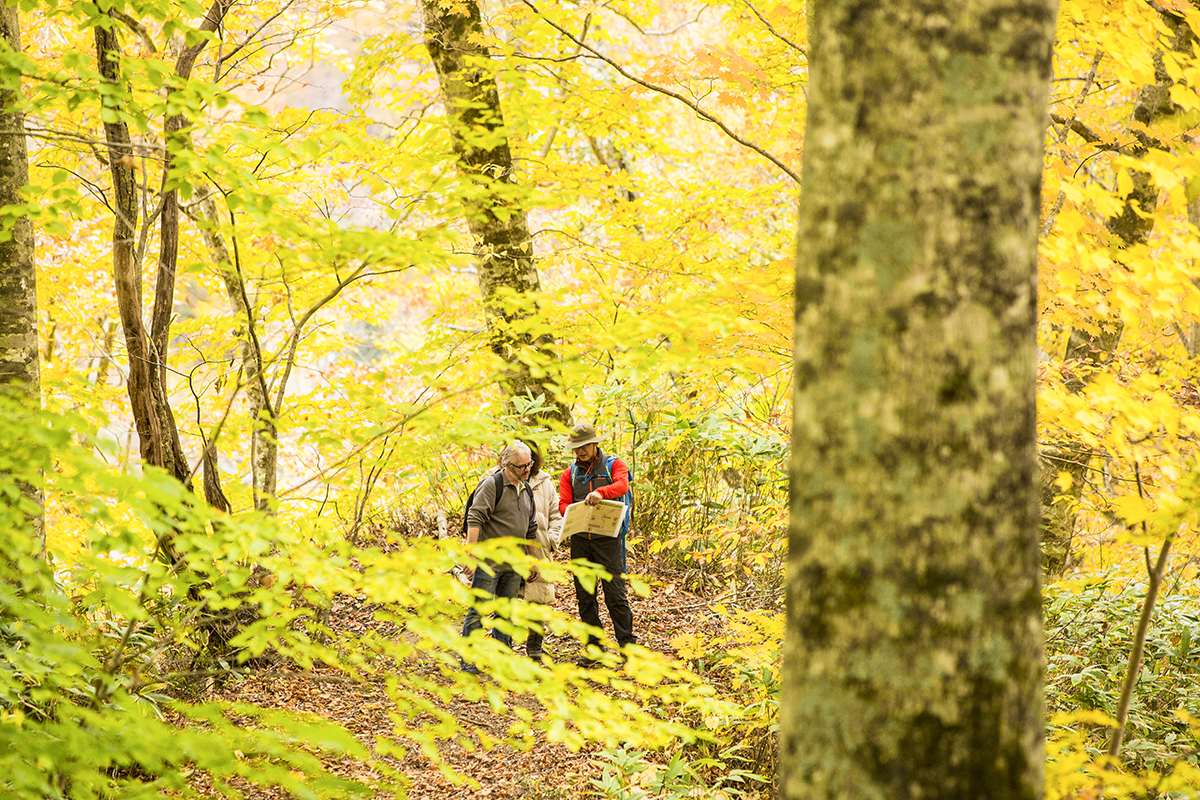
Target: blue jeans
<point>501,582</point>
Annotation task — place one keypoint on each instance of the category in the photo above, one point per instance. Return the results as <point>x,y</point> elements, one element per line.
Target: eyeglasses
<point>522,467</point>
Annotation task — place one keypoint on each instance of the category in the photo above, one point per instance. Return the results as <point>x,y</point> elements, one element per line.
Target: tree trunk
<point>912,666</point>
<point>19,362</point>
<point>507,275</point>
<point>176,140</point>
<point>158,436</point>
<point>158,440</point>
<point>264,448</point>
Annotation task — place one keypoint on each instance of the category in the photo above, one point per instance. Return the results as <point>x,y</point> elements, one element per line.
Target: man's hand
<point>593,498</point>
<point>534,574</point>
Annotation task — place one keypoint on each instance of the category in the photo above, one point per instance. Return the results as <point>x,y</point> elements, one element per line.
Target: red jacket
<point>614,491</point>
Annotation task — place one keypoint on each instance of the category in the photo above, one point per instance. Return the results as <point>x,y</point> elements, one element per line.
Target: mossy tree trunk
<point>912,667</point>
<point>20,365</point>
<point>19,358</point>
<point>508,278</point>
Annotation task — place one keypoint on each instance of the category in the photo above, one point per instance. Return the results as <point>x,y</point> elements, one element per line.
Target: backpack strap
<point>498,479</point>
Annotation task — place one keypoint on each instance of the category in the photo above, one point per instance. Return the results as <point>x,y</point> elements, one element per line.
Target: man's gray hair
<point>512,450</point>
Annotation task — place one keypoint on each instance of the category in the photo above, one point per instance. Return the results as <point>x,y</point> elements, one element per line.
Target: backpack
<point>498,479</point>
<point>626,498</point>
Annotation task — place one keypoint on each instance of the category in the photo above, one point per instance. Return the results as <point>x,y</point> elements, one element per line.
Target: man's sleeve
<point>620,484</point>
<point>565,493</point>
<point>483,504</point>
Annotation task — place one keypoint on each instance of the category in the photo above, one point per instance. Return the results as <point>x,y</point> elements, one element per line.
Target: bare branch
<point>1133,669</point>
<point>137,28</point>
<point>253,34</point>
<point>643,32</point>
<point>1083,131</point>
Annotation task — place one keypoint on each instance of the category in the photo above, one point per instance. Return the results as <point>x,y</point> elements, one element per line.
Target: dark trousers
<point>607,553</point>
<point>500,583</point>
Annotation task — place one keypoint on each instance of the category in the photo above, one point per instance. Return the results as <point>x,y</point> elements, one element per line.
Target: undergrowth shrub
<point>710,494</point>
<point>84,711</point>
<point>1075,771</point>
<point>738,754</point>
<point>97,643</point>
<point>1090,623</point>
<point>635,775</point>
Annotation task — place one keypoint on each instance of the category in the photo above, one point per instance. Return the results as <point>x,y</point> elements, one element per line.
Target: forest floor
<point>545,772</point>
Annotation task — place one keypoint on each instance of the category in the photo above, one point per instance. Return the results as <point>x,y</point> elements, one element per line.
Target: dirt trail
<point>546,772</point>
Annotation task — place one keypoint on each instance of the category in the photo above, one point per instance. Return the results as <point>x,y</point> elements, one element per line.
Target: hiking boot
<point>470,669</point>
<point>533,646</point>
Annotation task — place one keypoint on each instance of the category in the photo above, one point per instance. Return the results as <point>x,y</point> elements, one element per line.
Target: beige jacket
<point>549,531</point>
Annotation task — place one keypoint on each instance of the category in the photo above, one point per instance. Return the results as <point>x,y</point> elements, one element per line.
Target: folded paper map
<point>603,519</point>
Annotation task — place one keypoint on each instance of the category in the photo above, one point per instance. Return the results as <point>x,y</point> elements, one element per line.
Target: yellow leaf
<point>1185,97</point>
<point>1068,278</point>
<point>1131,508</point>
<point>1191,303</point>
<point>1124,183</point>
<point>688,646</point>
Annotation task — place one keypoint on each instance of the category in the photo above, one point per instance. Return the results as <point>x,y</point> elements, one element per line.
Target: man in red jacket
<point>595,477</point>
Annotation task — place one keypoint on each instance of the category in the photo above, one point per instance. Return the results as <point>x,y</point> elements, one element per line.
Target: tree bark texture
<point>19,357</point>
<point>20,365</point>
<point>912,665</point>
<point>1132,226</point>
<point>158,436</point>
<point>454,36</point>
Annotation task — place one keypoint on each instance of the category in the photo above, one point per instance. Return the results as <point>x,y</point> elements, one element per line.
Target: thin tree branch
<point>1084,132</point>
<point>1134,668</point>
<point>1088,83</point>
<point>137,28</point>
<point>294,340</point>
<point>774,32</point>
<point>251,36</point>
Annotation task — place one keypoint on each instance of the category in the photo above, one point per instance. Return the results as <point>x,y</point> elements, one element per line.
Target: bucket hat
<point>581,434</point>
